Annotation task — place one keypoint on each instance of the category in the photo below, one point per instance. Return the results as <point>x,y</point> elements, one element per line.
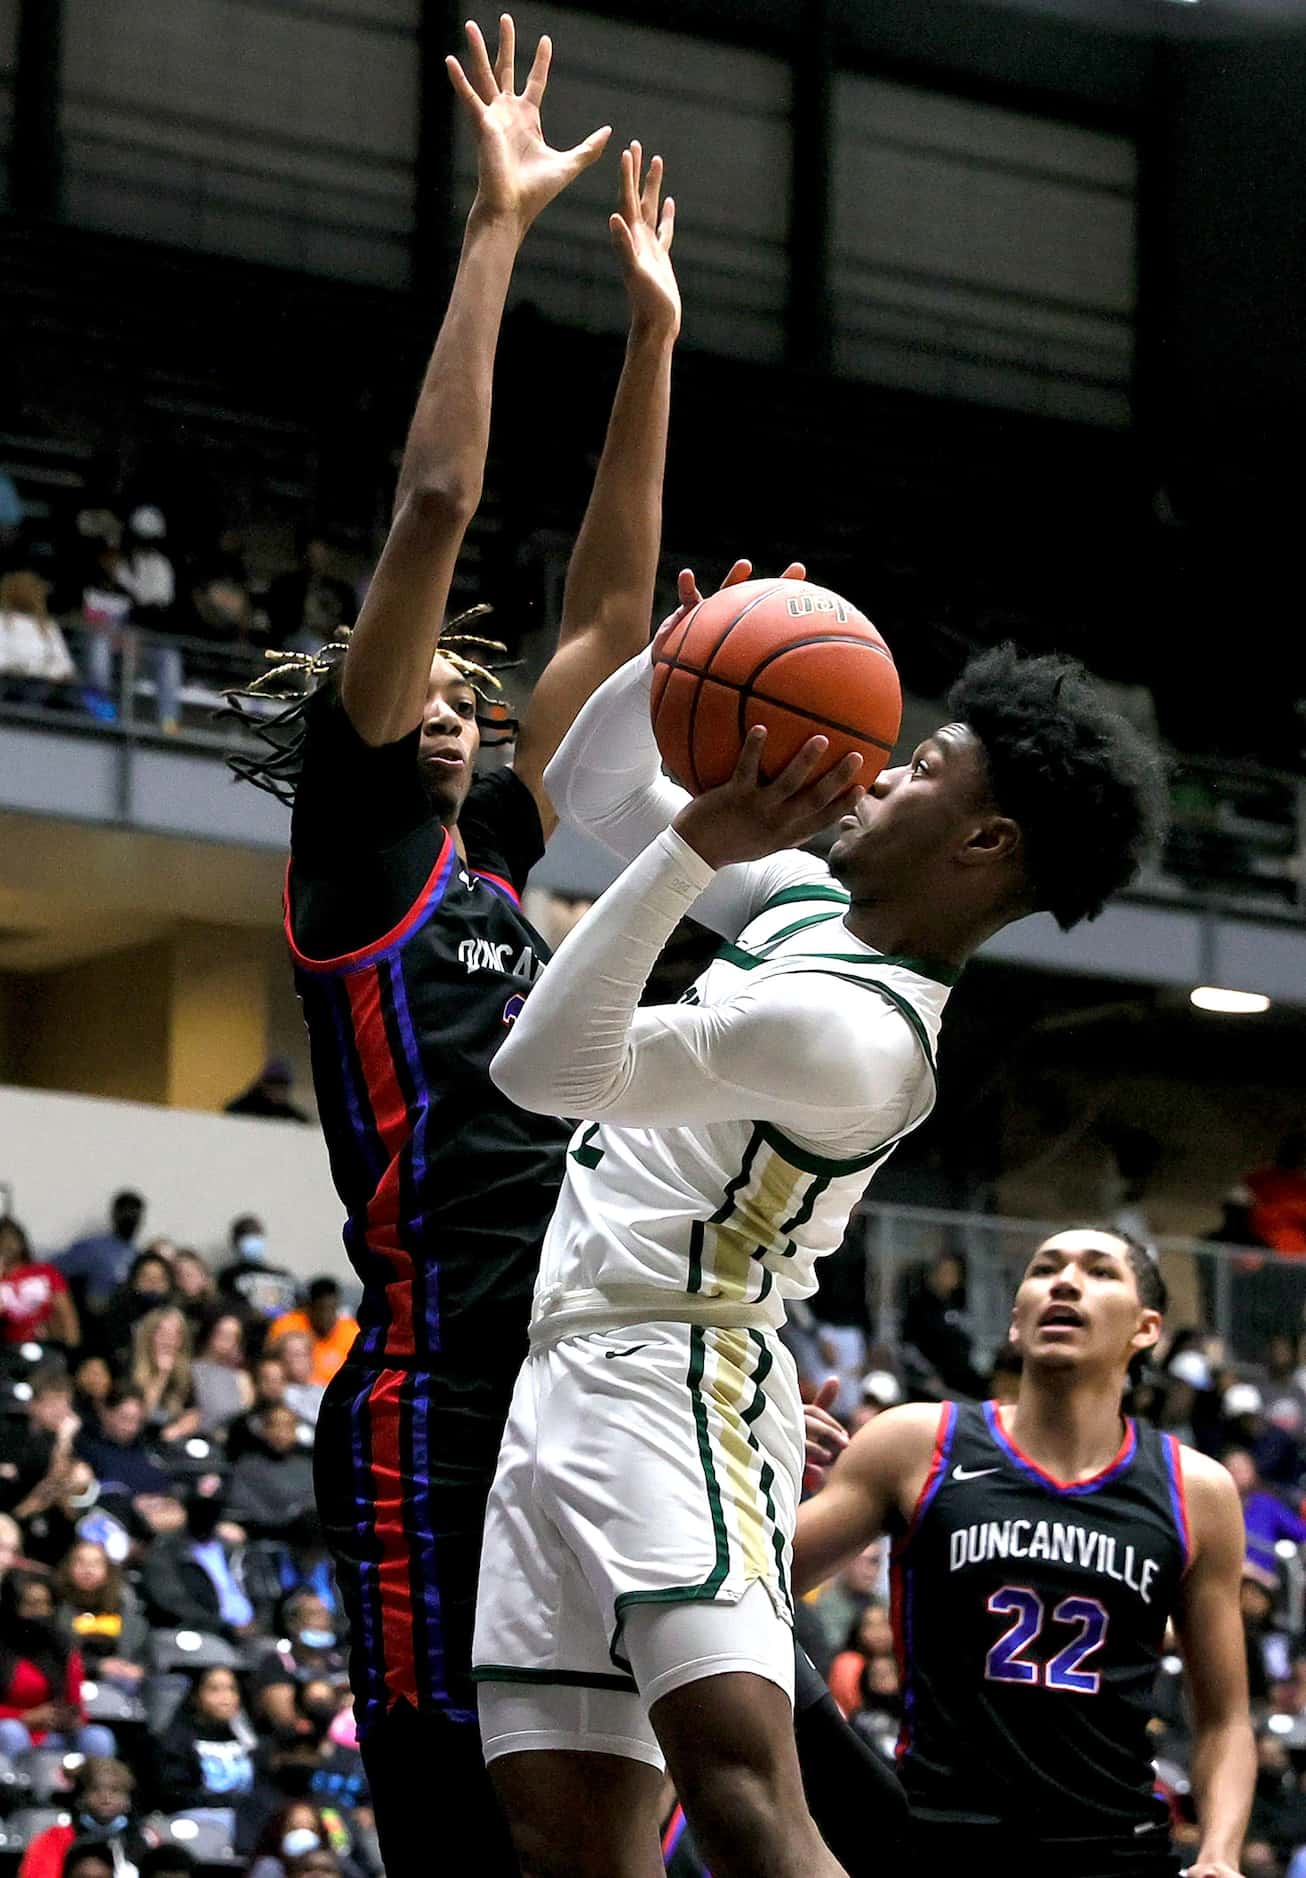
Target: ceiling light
<point>1232,1003</point>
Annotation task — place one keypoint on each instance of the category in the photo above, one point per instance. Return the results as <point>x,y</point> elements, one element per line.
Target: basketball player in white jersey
<point>635,1602</point>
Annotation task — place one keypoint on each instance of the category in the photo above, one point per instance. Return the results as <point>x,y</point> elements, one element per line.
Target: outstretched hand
<point>825,1436</point>
<point>518,172</point>
<point>689,597</point>
<point>642,233</point>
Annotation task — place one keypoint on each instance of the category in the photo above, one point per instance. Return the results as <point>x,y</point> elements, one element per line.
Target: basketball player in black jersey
<point>1039,1553</point>
<point>412,960</point>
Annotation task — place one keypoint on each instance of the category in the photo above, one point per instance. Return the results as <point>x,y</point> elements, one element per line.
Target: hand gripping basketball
<point>748,817</point>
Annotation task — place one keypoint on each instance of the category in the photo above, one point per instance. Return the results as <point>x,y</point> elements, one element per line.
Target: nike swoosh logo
<point>630,1352</point>
<point>972,1473</point>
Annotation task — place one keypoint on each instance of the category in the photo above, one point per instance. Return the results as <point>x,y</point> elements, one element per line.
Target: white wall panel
<point>278,135</point>
<point>720,118</point>
<point>981,253</point>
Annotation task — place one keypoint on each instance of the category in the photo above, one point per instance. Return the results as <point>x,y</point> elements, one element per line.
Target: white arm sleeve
<point>606,778</point>
<point>782,1050</point>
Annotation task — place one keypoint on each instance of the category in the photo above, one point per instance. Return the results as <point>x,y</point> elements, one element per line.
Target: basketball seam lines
<point>765,697</point>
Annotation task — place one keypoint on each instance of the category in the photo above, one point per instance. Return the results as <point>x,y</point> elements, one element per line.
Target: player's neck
<point>918,931</point>
<point>1072,1426</point>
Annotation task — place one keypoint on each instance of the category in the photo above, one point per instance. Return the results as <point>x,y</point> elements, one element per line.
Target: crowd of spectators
<point>67,621</point>
<point>173,1690</point>
<point>172,1651</point>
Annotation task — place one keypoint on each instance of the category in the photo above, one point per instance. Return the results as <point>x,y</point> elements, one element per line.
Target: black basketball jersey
<point>447,1185</point>
<point>1030,1616</point>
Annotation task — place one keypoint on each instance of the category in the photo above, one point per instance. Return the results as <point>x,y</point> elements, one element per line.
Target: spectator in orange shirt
<point>329,1328</point>
<point>1278,1215</point>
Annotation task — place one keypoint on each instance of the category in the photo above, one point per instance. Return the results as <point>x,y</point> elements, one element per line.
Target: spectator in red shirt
<point>1278,1215</point>
<point>40,1677</point>
<point>34,1303</point>
<point>102,1811</point>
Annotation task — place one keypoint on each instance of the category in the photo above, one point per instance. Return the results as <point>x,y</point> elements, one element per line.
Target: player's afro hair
<point>1086,790</point>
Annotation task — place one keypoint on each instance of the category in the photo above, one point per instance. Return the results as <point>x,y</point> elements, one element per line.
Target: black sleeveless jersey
<point>448,1186</point>
<point>1030,1617</point>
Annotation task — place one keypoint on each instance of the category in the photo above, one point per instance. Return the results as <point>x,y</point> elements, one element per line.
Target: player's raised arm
<point>609,591</point>
<point>389,659</point>
<point>1210,1628</point>
<point>586,1049</point>
<point>879,1474</point>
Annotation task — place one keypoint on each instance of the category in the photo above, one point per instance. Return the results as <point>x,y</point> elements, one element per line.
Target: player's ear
<point>994,838</point>
<point>1148,1334</point>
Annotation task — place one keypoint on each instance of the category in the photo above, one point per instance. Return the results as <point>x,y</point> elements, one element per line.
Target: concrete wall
<point>62,1156</point>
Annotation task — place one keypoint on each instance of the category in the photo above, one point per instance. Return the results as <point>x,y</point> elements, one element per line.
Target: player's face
<point>1078,1305</point>
<point>913,814</point>
<point>450,739</point>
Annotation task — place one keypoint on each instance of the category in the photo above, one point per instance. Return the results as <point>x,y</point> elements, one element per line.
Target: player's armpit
<point>876,1479</point>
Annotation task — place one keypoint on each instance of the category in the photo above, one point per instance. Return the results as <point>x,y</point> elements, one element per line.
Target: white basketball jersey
<point>737,1211</point>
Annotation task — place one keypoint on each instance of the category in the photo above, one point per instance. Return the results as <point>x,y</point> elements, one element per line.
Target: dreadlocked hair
<point>296,678</point>
<point>1086,790</point>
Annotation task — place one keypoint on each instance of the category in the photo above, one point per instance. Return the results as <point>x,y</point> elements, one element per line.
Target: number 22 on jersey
<point>1007,1660</point>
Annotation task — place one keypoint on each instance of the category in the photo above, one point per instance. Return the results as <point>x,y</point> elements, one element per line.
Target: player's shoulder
<point>1211,1500</point>
<point>900,1438</point>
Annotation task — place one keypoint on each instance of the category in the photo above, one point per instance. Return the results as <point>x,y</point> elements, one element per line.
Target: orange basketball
<point>783,653</point>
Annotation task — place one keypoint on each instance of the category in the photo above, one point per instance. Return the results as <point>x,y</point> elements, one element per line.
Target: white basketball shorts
<point>648,1477</point>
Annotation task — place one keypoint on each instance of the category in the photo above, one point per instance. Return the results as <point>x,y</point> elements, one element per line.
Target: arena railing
<point>1241,1294</point>
<point>1237,840</point>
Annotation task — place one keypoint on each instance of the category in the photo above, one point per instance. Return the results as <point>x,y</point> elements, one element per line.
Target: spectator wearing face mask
<point>295,1830</point>
<point>309,1652</point>
<point>206,1757</point>
<point>329,1328</point>
<point>96,1266</point>
<point>147,1287</point>
<point>273,1485</point>
<point>40,1677</point>
<point>102,1812</point>
<point>194,1579</point>
<point>264,1291</point>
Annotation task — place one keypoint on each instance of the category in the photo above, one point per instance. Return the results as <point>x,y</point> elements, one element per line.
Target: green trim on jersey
<point>729,953</point>
<point>565,1678</point>
<point>737,1183</point>
<point>789,896</point>
<point>809,1163</point>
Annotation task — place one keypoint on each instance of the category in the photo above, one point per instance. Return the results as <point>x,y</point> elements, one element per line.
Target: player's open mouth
<point>1061,1317</point>
<point>447,760</point>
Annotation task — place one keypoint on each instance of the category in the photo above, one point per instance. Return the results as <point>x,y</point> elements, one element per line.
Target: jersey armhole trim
<point>938,1469</point>
<point>425,904</point>
<point>500,885</point>
<point>1174,1466</point>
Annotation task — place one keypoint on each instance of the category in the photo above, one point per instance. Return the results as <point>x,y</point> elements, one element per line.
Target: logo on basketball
<point>803,605</point>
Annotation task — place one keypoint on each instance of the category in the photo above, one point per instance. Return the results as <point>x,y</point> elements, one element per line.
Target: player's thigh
<point>718,1680</point>
<point>582,1815</point>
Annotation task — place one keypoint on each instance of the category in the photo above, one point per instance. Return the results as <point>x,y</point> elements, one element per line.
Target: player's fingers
<point>667,225</point>
<point>796,773</point>
<point>463,85</point>
<point>749,767</point>
<point>479,69</point>
<point>630,183</point>
<point>503,64</point>
<point>538,76</point>
<point>622,240</point>
<point>828,1393</point>
<point>740,571</point>
<point>581,155</point>
<point>796,570</point>
<point>840,779</point>
<point>652,189</point>
<point>687,588</point>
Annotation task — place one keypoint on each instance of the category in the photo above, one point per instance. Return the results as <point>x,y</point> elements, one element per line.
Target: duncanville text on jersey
<point>1059,1542</point>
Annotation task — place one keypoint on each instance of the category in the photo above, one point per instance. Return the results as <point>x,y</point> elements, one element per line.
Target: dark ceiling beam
<point>36,170</point>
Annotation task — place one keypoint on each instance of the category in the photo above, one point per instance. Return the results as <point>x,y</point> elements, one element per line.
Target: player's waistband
<point>561,1313</point>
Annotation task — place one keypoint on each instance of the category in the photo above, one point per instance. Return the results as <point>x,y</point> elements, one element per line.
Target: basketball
<point>783,653</point>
